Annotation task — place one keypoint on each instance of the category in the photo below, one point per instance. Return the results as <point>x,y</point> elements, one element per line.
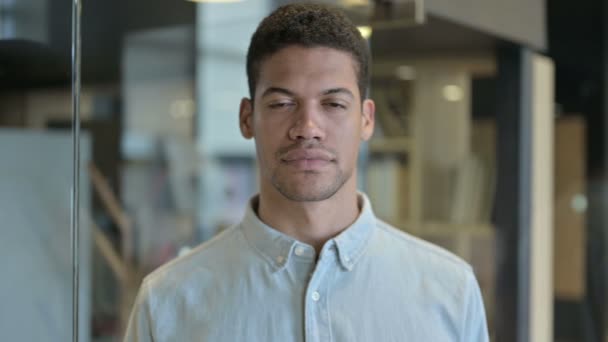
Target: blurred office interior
<point>491,141</point>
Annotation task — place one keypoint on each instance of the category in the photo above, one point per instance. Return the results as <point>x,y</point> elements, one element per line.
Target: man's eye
<point>335,105</point>
<point>279,105</point>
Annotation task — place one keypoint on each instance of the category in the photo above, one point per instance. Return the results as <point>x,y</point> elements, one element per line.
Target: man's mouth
<point>307,158</point>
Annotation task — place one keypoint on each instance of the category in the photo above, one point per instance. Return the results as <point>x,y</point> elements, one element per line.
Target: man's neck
<point>313,223</point>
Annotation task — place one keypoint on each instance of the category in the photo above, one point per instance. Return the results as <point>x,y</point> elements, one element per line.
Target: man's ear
<point>246,118</point>
<point>368,119</point>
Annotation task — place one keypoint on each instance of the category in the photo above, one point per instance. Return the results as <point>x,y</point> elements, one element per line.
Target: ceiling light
<point>453,93</point>
<point>366,31</point>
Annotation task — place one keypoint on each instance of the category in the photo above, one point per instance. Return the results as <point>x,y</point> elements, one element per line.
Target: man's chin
<point>311,187</point>
<point>307,193</point>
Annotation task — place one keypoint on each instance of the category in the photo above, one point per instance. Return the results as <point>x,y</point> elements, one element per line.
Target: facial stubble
<point>308,190</point>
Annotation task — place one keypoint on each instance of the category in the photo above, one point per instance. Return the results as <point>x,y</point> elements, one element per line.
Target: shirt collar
<point>352,241</point>
<point>277,247</point>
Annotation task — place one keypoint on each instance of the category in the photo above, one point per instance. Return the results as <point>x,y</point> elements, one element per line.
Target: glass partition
<point>36,175</point>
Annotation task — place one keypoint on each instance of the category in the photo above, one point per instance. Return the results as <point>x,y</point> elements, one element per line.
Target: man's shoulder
<point>207,258</point>
<point>420,253</point>
<point>429,270</point>
<point>437,275</point>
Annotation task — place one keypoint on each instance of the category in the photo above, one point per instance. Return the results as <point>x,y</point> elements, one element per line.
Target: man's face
<point>307,121</point>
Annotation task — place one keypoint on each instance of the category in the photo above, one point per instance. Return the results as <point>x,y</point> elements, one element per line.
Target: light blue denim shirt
<point>252,283</point>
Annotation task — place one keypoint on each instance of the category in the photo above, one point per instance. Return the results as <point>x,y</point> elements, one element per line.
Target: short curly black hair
<point>308,25</point>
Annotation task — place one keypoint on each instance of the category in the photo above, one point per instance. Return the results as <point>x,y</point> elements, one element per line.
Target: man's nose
<point>307,124</point>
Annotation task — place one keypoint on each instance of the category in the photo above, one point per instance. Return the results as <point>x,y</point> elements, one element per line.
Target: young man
<point>309,261</point>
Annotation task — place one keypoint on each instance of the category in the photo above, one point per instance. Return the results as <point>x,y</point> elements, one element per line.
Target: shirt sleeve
<point>139,328</point>
<point>475,324</point>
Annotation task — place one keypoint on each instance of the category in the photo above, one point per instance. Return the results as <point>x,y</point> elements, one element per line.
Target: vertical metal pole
<point>75,203</point>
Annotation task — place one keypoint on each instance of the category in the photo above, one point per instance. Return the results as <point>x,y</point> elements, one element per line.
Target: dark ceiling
<point>576,32</point>
<point>435,37</point>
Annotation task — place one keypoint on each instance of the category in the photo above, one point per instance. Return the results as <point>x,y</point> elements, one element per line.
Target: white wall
<point>223,34</point>
<point>35,257</point>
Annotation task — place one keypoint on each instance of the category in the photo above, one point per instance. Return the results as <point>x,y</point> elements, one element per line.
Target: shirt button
<point>316,296</point>
<point>280,259</point>
<point>299,251</point>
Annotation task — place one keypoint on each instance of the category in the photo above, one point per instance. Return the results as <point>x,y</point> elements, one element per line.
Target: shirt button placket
<point>317,320</point>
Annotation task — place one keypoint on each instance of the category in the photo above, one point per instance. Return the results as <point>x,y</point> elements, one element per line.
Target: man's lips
<point>307,154</point>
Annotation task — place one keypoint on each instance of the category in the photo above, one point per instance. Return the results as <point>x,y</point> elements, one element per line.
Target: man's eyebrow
<point>338,91</point>
<point>279,90</point>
